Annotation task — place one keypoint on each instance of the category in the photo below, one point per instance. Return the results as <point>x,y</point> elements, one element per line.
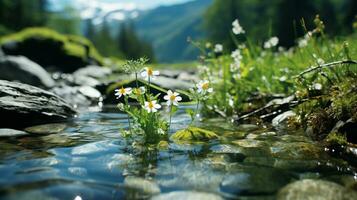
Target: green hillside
<point>170,26</point>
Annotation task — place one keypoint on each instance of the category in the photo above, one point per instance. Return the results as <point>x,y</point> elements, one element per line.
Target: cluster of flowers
<point>146,118</point>
<point>172,98</point>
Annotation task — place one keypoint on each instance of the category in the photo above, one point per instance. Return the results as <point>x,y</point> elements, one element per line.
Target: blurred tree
<point>66,22</point>
<point>105,43</point>
<point>18,14</point>
<point>290,14</point>
<point>350,7</point>
<point>282,18</point>
<point>130,45</point>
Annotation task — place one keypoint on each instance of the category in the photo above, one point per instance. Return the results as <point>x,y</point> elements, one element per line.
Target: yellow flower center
<point>172,97</point>
<point>205,86</point>
<point>150,71</point>
<point>151,105</point>
<point>122,90</point>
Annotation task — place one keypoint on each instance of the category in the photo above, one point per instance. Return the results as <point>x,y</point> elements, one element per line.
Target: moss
<point>193,134</point>
<point>50,48</point>
<point>336,139</point>
<point>163,145</point>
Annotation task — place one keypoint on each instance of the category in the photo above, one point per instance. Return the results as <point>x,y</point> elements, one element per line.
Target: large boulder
<point>21,69</point>
<point>49,48</point>
<point>315,189</point>
<point>22,105</point>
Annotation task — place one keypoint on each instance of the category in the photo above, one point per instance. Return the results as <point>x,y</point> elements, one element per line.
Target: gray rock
<point>21,69</point>
<point>4,132</point>
<point>93,71</point>
<point>89,92</point>
<point>281,120</point>
<point>172,84</point>
<point>255,181</point>
<point>143,186</point>
<point>25,105</point>
<point>309,189</point>
<point>85,80</point>
<point>187,195</point>
<point>78,96</point>
<point>46,128</point>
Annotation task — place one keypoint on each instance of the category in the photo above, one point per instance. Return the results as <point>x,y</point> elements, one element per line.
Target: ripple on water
<point>93,148</point>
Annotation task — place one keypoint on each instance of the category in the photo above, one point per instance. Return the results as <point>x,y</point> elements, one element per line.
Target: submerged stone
<point>297,150</point>
<point>5,132</point>
<point>194,134</point>
<point>141,185</point>
<point>315,189</point>
<point>46,128</point>
<point>255,181</point>
<point>187,195</point>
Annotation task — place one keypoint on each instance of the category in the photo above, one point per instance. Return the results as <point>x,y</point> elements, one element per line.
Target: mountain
<point>168,27</point>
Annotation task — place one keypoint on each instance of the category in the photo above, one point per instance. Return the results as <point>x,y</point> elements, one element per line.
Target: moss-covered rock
<point>194,134</point>
<point>50,48</point>
<point>154,89</point>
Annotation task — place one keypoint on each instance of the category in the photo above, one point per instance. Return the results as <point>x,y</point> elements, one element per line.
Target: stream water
<point>89,159</point>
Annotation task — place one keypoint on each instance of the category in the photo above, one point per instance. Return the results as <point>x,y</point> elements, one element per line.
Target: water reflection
<point>91,160</point>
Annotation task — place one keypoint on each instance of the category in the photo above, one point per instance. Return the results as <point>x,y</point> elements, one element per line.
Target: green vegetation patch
<point>193,134</point>
<point>50,48</point>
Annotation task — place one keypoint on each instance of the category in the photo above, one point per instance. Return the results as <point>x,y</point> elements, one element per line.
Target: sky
<point>140,4</point>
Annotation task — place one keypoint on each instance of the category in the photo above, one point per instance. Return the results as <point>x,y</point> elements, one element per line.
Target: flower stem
<point>127,104</point>
<point>196,111</point>
<point>136,80</point>
<point>170,117</point>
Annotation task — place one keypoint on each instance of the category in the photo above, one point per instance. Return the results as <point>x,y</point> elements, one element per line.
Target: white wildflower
<point>272,42</point>
<point>203,87</point>
<point>122,92</point>
<point>172,98</point>
<point>218,48</point>
<point>149,73</point>
<point>237,28</point>
<point>151,106</point>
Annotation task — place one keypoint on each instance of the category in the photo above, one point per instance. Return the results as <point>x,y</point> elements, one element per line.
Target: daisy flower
<point>122,92</point>
<point>237,28</point>
<point>149,73</point>
<point>172,98</point>
<point>151,106</point>
<point>218,48</point>
<point>203,87</point>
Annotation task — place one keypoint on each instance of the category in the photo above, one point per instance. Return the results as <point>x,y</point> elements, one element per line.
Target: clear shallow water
<point>90,159</point>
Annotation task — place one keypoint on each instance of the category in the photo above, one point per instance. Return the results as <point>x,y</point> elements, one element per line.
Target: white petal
<point>153,110</point>
<point>167,97</point>
<point>178,98</point>
<point>156,73</point>
<point>144,74</point>
<point>157,106</point>
<point>210,90</point>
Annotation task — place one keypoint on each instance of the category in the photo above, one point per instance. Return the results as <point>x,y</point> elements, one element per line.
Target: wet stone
<point>4,132</point>
<point>248,143</point>
<point>297,151</point>
<point>141,185</point>
<point>315,189</point>
<point>46,128</point>
<point>248,127</point>
<point>187,195</point>
<point>255,181</point>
